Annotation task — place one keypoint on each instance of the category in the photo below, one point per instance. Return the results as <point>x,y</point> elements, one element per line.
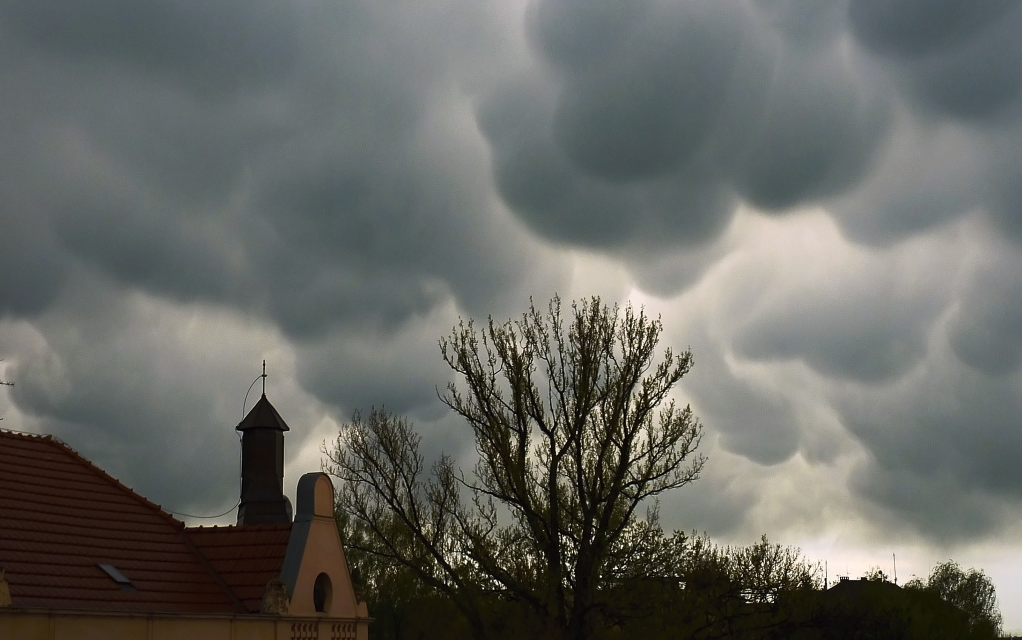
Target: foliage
<point>574,431</point>
<point>970,591</point>
<point>876,574</point>
<point>874,609</point>
<point>745,591</point>
<point>396,597</point>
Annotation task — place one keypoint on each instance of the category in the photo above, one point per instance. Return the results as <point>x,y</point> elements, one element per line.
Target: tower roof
<point>263,416</point>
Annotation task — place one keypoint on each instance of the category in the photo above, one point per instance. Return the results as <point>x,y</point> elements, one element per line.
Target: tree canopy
<point>970,591</point>
<point>576,435</point>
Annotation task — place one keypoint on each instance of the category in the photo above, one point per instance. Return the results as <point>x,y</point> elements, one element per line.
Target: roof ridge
<point>28,435</point>
<point>235,527</point>
<point>62,446</point>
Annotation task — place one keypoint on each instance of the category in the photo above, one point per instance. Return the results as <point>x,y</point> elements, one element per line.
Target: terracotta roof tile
<point>60,516</point>
<point>245,557</point>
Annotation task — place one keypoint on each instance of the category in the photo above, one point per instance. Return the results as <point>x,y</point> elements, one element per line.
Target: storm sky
<point>822,198</point>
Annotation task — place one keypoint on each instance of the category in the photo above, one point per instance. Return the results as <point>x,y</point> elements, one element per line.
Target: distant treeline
<point>708,592</point>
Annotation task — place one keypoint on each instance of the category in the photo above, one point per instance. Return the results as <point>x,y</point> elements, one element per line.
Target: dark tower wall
<point>262,467</point>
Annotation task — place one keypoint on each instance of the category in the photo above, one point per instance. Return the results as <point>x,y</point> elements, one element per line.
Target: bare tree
<point>574,430</point>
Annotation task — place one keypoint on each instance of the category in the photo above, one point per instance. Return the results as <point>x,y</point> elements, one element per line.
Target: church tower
<point>262,467</point>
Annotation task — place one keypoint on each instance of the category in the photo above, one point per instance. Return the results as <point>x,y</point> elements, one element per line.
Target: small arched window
<point>322,593</point>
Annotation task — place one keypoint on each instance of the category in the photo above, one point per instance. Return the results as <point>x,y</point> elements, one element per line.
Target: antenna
<point>244,402</point>
<point>895,558</point>
<point>5,382</point>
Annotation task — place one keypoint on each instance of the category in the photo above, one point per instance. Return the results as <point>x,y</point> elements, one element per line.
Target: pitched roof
<point>61,517</point>
<point>263,416</point>
<point>246,558</point>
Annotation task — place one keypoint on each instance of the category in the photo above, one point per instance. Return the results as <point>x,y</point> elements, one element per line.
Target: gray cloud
<point>957,58</point>
<point>560,201</point>
<point>210,50</point>
<point>986,328</point>
<point>280,163</point>
<point>868,321</point>
<point>911,350</point>
<point>299,194</point>
<point>928,175</point>
<point>917,27</point>
<point>816,135</point>
<point>941,449</point>
<point>648,122</point>
<point>130,385</point>
<point>641,84</point>
<point>759,424</point>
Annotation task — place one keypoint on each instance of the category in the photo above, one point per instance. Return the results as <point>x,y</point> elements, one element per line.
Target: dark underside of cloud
<point>344,174</point>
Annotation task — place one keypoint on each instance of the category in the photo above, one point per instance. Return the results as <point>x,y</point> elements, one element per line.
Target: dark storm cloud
<point>34,269</point>
<point>318,178</point>
<point>943,450</point>
<point>986,327</point>
<point>642,126</point>
<point>560,201</point>
<point>816,136</point>
<point>757,423</point>
<point>919,27</point>
<point>340,175</point>
<point>131,387</point>
<point>1002,170</point>
<point>929,174</point>
<point>650,120</point>
<point>960,58</point>
<point>867,321</point>
<point>351,367</point>
<point>641,83</point>
<point>302,165</point>
<point>955,65</point>
<point>210,49</point>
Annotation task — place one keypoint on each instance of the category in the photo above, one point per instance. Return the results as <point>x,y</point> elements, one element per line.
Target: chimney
<point>262,467</point>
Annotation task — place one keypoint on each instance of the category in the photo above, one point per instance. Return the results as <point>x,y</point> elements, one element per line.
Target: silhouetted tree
<point>574,432</point>
<point>744,592</point>
<point>970,591</point>
<point>875,574</point>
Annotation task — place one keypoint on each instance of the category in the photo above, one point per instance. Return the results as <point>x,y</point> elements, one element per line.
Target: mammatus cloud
<point>822,197</point>
<point>642,125</point>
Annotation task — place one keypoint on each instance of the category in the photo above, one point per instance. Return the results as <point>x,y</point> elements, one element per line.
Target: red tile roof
<point>245,557</point>
<point>61,516</point>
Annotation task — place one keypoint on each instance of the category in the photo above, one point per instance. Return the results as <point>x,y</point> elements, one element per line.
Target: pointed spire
<point>263,416</point>
<point>262,464</point>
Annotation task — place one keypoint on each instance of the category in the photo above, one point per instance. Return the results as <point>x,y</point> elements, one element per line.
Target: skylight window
<point>116,575</point>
